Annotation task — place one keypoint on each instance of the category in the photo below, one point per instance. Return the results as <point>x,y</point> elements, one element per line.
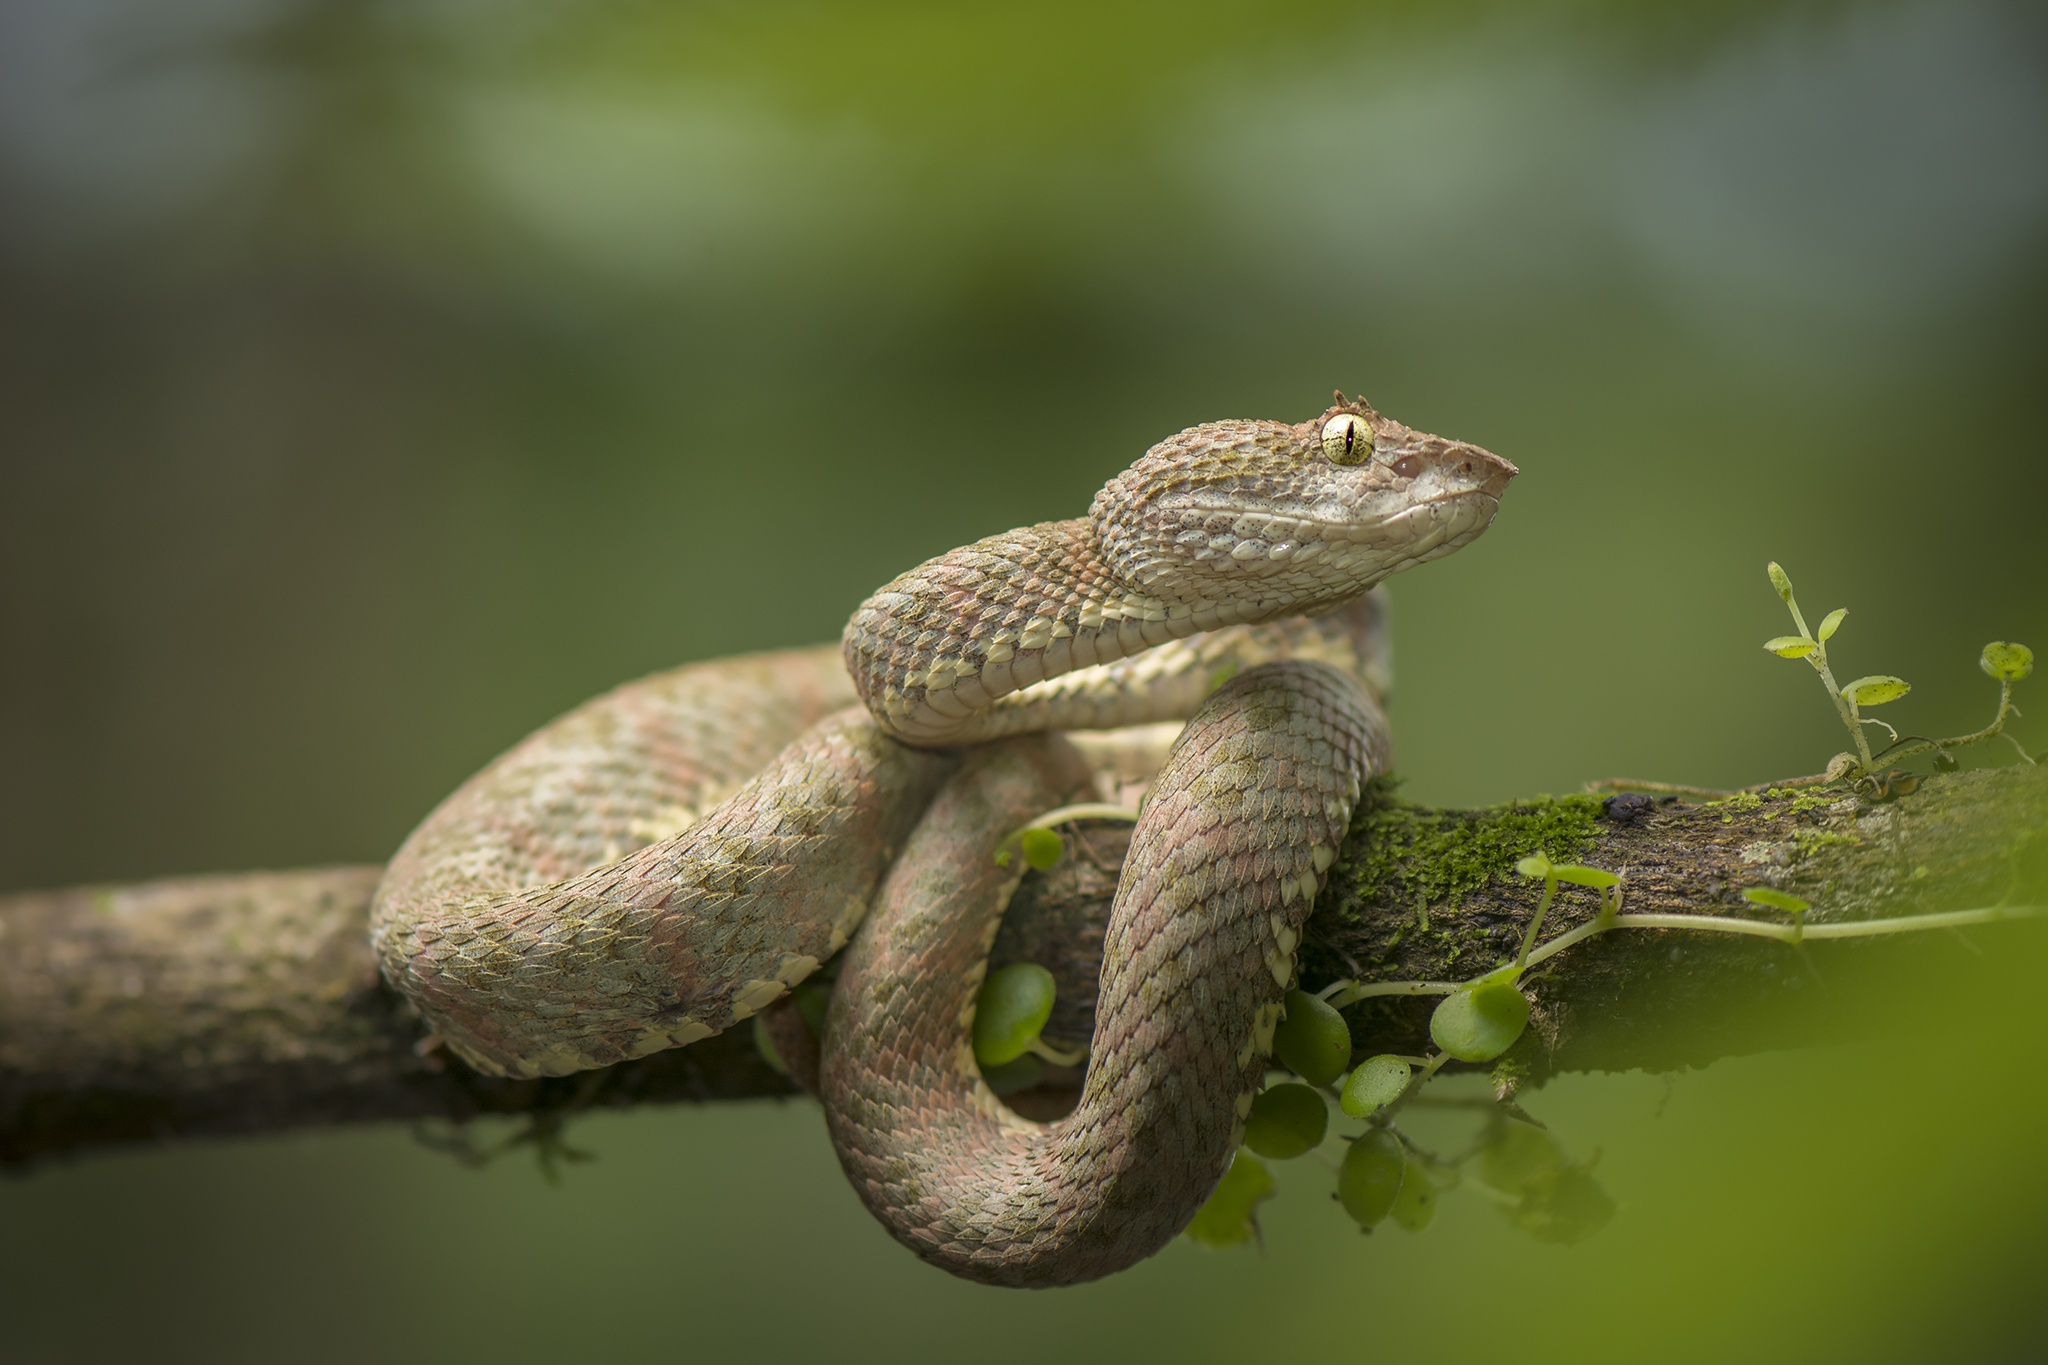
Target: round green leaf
<point>1791,646</point>
<point>1312,1040</point>
<point>1833,622</point>
<point>1776,900</point>
<point>1286,1121</point>
<point>1043,848</point>
<point>2006,662</point>
<point>1377,1083</point>
<point>1229,1218</point>
<point>1013,1006</point>
<point>1779,580</point>
<point>1371,1177</point>
<point>1415,1205</point>
<point>1876,690</point>
<point>1482,1021</point>
<point>1537,864</point>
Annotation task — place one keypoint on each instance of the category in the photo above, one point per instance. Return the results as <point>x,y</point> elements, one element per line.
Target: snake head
<point>1279,519</point>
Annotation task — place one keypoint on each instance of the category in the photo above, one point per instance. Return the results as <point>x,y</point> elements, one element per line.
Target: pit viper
<point>670,858</point>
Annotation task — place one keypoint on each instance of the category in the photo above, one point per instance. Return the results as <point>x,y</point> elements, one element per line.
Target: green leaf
<point>1480,1022</point>
<point>1876,690</point>
<point>1230,1217</point>
<point>1791,646</point>
<point>1833,623</point>
<point>1780,580</point>
<point>1043,848</point>
<point>1286,1120</point>
<point>1776,900</point>
<point>1585,876</point>
<point>1013,1006</point>
<point>1377,1083</point>
<point>1537,864</point>
<point>2006,662</point>
<point>1370,1179</point>
<point>1415,1205</point>
<point>1312,1041</point>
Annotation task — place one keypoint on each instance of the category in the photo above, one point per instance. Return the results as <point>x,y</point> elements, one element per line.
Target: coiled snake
<point>670,858</point>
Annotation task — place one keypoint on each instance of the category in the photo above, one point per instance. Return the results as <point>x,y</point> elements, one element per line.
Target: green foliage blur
<point>378,380</point>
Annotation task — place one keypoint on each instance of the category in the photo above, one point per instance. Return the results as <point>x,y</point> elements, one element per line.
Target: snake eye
<point>1347,439</point>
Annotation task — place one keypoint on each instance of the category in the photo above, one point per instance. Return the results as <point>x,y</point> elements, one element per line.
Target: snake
<point>670,858</point>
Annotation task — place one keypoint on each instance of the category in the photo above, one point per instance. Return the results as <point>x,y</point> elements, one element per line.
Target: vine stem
<point>1350,993</point>
<point>1346,993</point>
<point>1058,1056</point>
<point>1793,933</point>
<point>1914,745</point>
<point>1851,716</point>
<point>1060,815</point>
<point>1536,920</point>
<point>1706,793</point>
<point>1086,810</point>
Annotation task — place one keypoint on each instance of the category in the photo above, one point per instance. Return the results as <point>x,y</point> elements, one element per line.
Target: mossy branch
<point>244,1004</point>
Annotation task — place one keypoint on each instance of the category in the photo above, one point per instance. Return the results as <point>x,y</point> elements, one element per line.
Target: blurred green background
<point>378,380</point>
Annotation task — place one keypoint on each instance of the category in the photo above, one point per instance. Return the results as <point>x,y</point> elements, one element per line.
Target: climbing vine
<point>1384,1173</point>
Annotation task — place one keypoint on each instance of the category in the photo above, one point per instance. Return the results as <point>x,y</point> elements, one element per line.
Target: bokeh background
<point>379,379</point>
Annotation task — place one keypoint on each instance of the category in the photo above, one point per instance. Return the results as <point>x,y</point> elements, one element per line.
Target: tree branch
<point>250,1003</point>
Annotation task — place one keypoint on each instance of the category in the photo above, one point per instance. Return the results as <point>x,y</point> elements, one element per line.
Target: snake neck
<point>940,654</point>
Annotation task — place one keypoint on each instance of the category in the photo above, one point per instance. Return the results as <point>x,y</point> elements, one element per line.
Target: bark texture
<point>250,1003</point>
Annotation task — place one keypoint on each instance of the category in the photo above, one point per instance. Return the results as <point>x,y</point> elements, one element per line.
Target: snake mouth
<point>1472,509</point>
<point>1462,511</point>
<point>1469,515</point>
<point>1464,508</point>
<point>1430,530</point>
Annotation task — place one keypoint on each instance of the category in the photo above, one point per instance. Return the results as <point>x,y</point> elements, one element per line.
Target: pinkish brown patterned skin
<point>602,891</point>
<point>1223,867</point>
<point>668,859</point>
<point>1225,523</point>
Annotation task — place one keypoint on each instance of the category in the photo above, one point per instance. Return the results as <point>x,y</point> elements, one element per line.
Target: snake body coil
<point>672,857</point>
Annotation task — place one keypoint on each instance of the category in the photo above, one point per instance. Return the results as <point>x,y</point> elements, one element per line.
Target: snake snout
<point>1484,468</point>
<point>1466,469</point>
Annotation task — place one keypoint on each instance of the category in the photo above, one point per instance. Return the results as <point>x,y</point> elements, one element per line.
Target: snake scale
<point>672,857</point>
